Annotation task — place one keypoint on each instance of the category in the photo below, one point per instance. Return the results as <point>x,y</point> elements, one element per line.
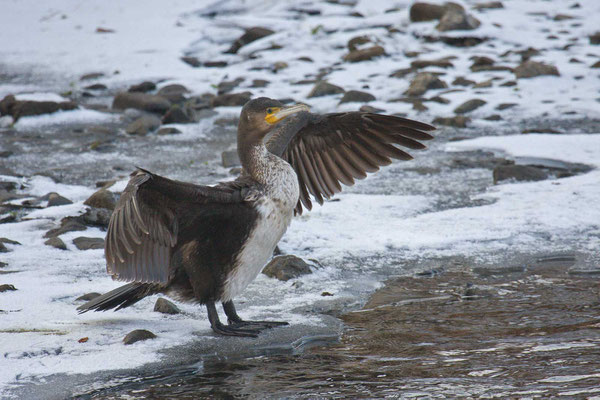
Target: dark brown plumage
<point>200,243</point>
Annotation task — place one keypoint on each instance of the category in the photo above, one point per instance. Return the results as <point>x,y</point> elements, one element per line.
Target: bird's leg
<point>234,319</point>
<point>228,330</point>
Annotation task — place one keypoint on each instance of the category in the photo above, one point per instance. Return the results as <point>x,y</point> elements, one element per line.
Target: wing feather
<point>333,149</point>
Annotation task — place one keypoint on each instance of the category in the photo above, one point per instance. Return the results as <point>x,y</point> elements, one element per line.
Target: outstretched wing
<point>326,150</point>
<point>144,226</point>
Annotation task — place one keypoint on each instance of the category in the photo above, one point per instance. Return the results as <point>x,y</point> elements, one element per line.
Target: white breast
<point>275,210</point>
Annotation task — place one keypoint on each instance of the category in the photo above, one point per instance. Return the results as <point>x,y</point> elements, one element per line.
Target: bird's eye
<point>269,111</point>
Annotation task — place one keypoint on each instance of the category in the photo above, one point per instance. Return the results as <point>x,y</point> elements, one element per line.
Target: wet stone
<point>168,130</point>
<point>231,99</point>
<point>141,101</point>
<point>143,87</point>
<point>67,224</point>
<point>505,106</point>
<point>440,63</point>
<point>3,248</point>
<point>469,106</point>
<point>531,69</point>
<point>7,288</point>
<point>175,92</point>
<point>595,38</point>
<point>88,243</point>
<point>176,115</point>
<point>22,108</point>
<point>356,96</point>
<point>458,121</point>
<point>423,82</point>
<point>56,242</point>
<point>285,268</point>
<point>455,19</point>
<point>91,76</point>
<point>9,241</point>
<point>259,83</point>
<point>596,65</point>
<point>357,41</point>
<point>97,217</point>
<point>165,306</point>
<point>138,335</point>
<point>249,36</point>
<point>461,81</point>
<point>228,86</point>
<point>323,88</point>
<point>230,158</point>
<point>489,5</point>
<point>102,199</point>
<point>55,199</point>
<point>370,109</point>
<point>420,12</point>
<point>88,296</point>
<point>493,117</point>
<point>192,61</point>
<point>364,54</point>
<point>518,173</point>
<point>96,86</point>
<point>484,84</point>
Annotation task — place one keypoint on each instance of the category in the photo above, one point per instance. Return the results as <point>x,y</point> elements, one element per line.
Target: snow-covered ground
<point>56,43</point>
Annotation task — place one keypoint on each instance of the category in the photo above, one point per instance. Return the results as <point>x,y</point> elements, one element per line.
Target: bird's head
<point>259,116</point>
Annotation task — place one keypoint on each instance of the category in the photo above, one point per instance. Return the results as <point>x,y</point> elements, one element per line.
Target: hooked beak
<point>283,112</point>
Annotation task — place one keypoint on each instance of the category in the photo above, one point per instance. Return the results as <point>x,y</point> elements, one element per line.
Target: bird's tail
<point>121,297</point>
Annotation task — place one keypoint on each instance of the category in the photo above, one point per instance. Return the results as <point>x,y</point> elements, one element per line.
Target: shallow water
<point>527,330</point>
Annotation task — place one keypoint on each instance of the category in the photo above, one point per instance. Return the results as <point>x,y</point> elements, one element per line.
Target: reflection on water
<point>530,330</point>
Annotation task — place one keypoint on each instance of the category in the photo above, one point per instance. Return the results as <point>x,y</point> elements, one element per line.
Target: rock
<point>56,242</point>
<point>215,64</point>
<point>505,106</point>
<point>441,63</point>
<point>9,241</point>
<point>455,19</point>
<point>285,268</point>
<point>96,86</point>
<point>489,5</point>
<point>193,61</point>
<point>540,130</point>
<point>88,243</point>
<point>7,288</point>
<point>364,54</point>
<point>509,83</point>
<point>249,36</point>
<point>88,296</point>
<point>90,76</point>
<point>519,173</point>
<point>67,224</point>
<point>227,86</point>
<point>174,92</point>
<point>138,335</point>
<point>279,65</point>
<point>355,42</point>
<point>356,96</point>
<point>176,115</point>
<point>55,199</point>
<point>230,158</point>
<point>493,117</point>
<point>469,106</point>
<point>369,109</point>
<point>169,130</point>
<point>458,121</point>
<point>143,125</point>
<point>484,84</point>
<point>259,83</point>
<point>141,101</point>
<point>324,88</point>
<point>562,17</point>
<point>22,108</point>
<point>461,81</point>
<point>596,65</point>
<point>102,199</point>
<point>231,99</point>
<point>401,73</point>
<point>420,12</point>
<point>165,306</point>
<point>143,87</point>
<point>481,60</point>
<point>595,38</point>
<point>423,82</point>
<point>3,248</point>
<point>97,216</point>
<point>531,69</point>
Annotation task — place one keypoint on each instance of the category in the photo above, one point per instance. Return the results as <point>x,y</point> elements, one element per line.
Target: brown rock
<point>67,224</point>
<point>461,81</point>
<point>285,268</point>
<point>595,38</point>
<point>175,93</point>
<point>165,306</point>
<point>55,199</point>
<point>531,69</point>
<point>7,288</point>
<point>420,12</point>
<point>56,242</point>
<point>441,63</point>
<point>356,96</point>
<point>457,20</point>
<point>355,42</point>
<point>142,87</point>
<point>596,65</point>
<point>141,101</point>
<point>458,121</point>
<point>231,99</point>
<point>138,335</point>
<point>423,82</point>
<point>102,199</point>
<point>488,5</point>
<point>88,243</point>
<point>249,36</point>
<point>192,61</point>
<point>364,54</point>
<point>323,88</point>
<point>88,296</point>
<point>469,106</point>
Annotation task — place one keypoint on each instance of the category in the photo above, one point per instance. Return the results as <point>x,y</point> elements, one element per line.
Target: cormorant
<point>207,243</point>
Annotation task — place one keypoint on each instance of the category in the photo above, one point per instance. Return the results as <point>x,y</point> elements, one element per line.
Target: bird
<point>205,244</point>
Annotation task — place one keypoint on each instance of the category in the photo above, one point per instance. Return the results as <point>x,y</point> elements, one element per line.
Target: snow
<point>57,42</point>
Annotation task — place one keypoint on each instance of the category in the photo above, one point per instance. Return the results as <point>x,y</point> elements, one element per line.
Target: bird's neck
<point>255,160</point>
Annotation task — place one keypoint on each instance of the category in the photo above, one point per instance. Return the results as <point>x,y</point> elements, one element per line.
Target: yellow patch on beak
<point>276,114</point>
<point>271,117</point>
